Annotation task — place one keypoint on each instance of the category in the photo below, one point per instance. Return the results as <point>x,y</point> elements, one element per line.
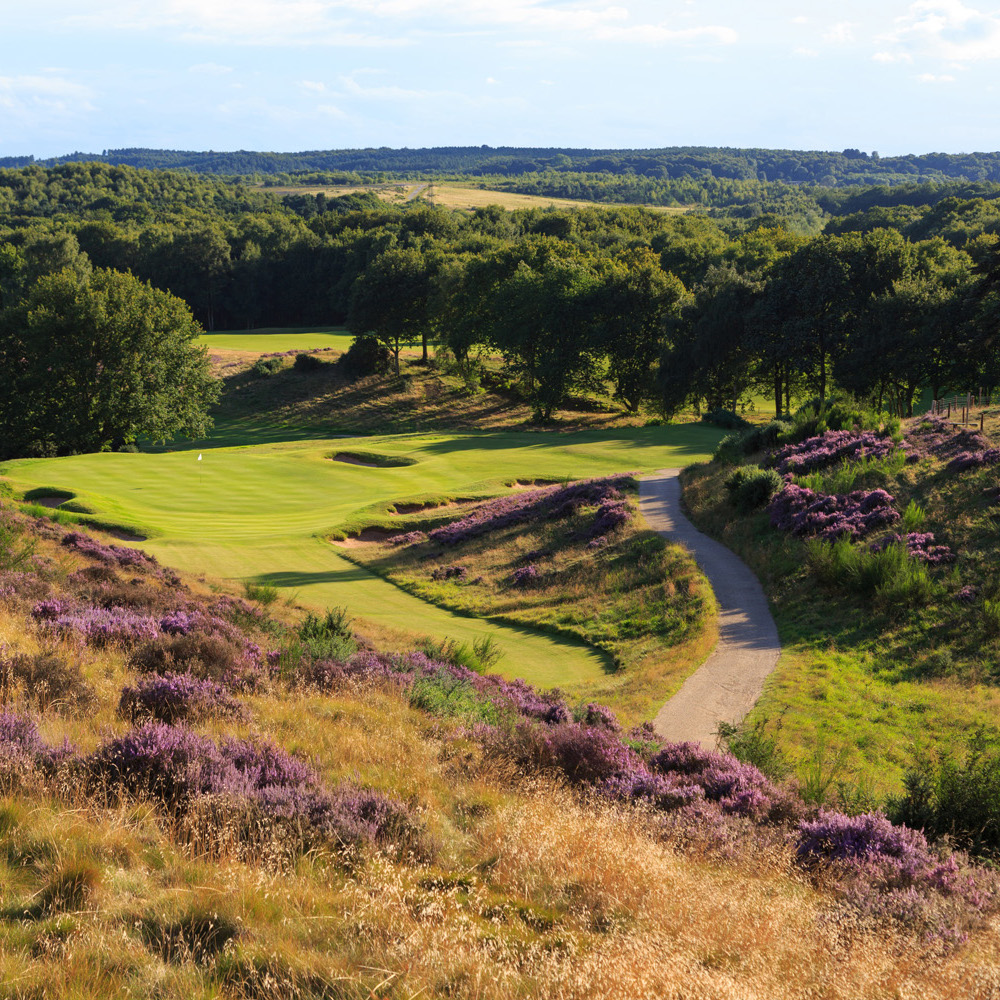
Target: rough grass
<point>637,599</point>
<point>869,681</point>
<point>459,196</point>
<point>522,889</point>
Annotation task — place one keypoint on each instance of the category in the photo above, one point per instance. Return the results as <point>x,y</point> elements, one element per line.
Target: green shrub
<point>442,694</point>
<point>481,656</point>
<point>366,356</point>
<point>750,487</point>
<point>892,576</point>
<point>957,799</point>
<point>837,414</point>
<point>329,637</point>
<point>990,615</point>
<point>725,418</point>
<point>307,363</point>
<point>736,446</point>
<point>913,516</point>
<point>753,744</point>
<point>260,593</point>
<point>266,367</point>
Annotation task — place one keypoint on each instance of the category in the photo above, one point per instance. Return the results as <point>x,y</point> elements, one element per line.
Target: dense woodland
<point>656,310</point>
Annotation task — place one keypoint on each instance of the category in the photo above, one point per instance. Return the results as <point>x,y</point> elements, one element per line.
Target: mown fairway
<point>260,511</point>
<point>269,340</point>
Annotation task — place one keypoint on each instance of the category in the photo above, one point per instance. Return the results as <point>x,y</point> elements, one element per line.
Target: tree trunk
<point>423,339</point>
<point>777,392</point>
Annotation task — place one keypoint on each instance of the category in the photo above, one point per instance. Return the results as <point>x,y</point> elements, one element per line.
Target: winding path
<point>726,686</point>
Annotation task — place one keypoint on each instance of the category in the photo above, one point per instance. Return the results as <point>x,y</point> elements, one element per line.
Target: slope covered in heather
<point>202,797</point>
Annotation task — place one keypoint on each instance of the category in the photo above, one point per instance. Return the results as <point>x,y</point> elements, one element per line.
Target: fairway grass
<point>272,340</point>
<point>265,512</point>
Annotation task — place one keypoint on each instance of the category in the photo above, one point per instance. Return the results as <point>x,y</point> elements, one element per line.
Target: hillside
<point>253,804</point>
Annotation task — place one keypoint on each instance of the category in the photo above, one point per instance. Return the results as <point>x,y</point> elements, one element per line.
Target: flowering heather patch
<point>803,512</point>
<point>882,855</point>
<point>967,595</point>
<point>119,555</point>
<point>177,766</point>
<point>974,459</point>
<point>739,789</point>
<point>22,746</point>
<point>920,545</point>
<point>409,538</point>
<point>99,627</point>
<point>600,716</point>
<point>177,697</point>
<point>549,502</point>
<point>523,576</point>
<point>829,448</point>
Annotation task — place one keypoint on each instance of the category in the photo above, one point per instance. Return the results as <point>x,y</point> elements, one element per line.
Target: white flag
<point>199,458</point>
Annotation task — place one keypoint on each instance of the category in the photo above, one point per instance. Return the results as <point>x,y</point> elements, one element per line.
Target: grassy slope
<point>640,600</point>
<point>520,889</point>
<point>261,511</point>
<point>867,684</point>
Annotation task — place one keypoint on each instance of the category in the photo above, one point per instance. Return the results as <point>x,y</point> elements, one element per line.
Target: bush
<point>176,698</point>
<point>266,367</point>
<point>328,637</point>
<point>891,575</point>
<point>366,356</point>
<point>750,487</point>
<point>209,656</point>
<point>736,446</point>
<point>308,363</point>
<point>45,679</point>
<point>726,419</point>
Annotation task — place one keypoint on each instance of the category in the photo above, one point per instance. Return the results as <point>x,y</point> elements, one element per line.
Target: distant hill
<point>829,169</point>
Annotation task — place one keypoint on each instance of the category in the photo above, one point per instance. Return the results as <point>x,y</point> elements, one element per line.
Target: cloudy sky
<point>889,75</point>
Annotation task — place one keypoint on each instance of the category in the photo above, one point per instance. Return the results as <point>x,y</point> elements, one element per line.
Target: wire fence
<point>963,408</point>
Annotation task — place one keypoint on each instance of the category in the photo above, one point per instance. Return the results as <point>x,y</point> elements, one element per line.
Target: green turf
<point>262,511</point>
<point>270,340</point>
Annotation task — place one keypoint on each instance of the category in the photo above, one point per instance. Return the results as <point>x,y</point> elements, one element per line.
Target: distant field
<point>263,512</point>
<point>272,339</point>
<point>458,196</point>
<point>387,192</point>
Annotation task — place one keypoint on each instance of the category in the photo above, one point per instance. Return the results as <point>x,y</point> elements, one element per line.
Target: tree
<point>89,365</point>
<point>390,299</point>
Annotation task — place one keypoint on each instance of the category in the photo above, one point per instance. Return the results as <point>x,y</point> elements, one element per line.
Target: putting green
<point>261,512</point>
<point>270,340</point>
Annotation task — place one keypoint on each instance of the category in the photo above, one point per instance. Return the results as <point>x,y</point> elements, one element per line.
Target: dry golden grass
<point>520,889</point>
<point>459,196</point>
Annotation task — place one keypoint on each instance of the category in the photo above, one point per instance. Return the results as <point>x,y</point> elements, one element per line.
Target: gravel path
<point>726,686</point>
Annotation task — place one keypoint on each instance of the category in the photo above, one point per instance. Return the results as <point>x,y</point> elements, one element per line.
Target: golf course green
<point>271,340</point>
<point>264,512</point>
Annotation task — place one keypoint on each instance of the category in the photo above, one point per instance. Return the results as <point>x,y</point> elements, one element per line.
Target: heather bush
<point>449,573</point>
<point>178,768</point>
<point>921,546</point>
<point>552,502</point>
<point>802,512</point>
<point>209,656</point>
<point>98,627</point>
<point>974,460</point>
<point>524,576</point>
<point>43,680</point>
<point>829,448</point>
<point>600,716</point>
<point>111,555</point>
<point>178,698</point>
<point>750,487</point>
<point>408,538</point>
<point>22,748</point>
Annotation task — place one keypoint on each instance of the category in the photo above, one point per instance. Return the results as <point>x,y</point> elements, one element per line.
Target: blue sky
<point>890,75</point>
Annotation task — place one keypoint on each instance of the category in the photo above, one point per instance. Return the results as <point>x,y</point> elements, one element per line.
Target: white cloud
<point>314,85</point>
<point>210,69</point>
<point>50,96</point>
<point>359,23</point>
<point>805,53</point>
<point>841,32</point>
<point>931,78</point>
<point>949,30</point>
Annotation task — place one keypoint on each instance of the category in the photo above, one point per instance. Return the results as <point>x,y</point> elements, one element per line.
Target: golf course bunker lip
<point>372,460</point>
<point>368,536</point>
<point>49,500</point>
<point>124,536</point>
<point>402,509</point>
